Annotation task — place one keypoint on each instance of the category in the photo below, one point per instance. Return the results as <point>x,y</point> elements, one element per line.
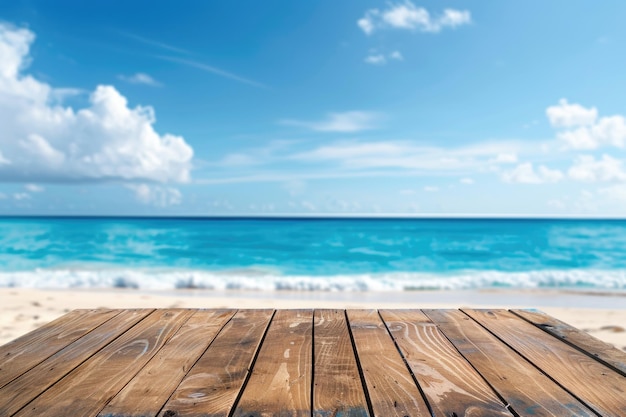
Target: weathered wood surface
<point>316,363</point>
<point>451,385</point>
<point>601,388</point>
<point>603,352</point>
<point>528,391</point>
<point>20,355</point>
<point>142,396</point>
<point>337,387</point>
<point>212,385</point>
<point>91,385</point>
<point>24,389</point>
<point>390,385</point>
<point>280,382</point>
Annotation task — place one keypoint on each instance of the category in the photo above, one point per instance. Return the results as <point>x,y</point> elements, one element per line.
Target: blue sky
<point>285,107</point>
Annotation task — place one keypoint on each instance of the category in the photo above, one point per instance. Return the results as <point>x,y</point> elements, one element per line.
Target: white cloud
<point>21,196</point>
<point>397,55</point>
<point>156,195</point>
<point>366,23</point>
<point>583,129</point>
<point>431,189</point>
<point>589,169</point>
<point>376,59</point>
<point>140,78</point>
<point>34,188</point>
<point>568,115</point>
<point>504,158</point>
<point>525,173</point>
<point>410,17</point>
<point>406,155</point>
<point>380,59</point>
<point>44,141</point>
<point>351,121</point>
<point>467,181</point>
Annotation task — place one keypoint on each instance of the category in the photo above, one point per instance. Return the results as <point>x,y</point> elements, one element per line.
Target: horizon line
<point>330,216</point>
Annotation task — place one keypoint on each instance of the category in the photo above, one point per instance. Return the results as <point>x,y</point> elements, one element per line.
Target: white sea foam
<point>267,280</point>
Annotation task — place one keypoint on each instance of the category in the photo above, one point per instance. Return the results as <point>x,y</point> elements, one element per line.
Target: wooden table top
<point>323,363</point>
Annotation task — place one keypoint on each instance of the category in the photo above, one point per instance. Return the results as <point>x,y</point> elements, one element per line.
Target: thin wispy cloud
<point>211,69</point>
<point>153,42</point>
<point>346,122</point>
<point>380,59</point>
<point>140,78</point>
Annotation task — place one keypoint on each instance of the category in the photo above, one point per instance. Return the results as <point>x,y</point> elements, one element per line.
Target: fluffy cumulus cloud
<point>346,122</point>
<point>525,173</point>
<point>581,128</point>
<point>589,169</point>
<point>41,140</point>
<point>408,16</point>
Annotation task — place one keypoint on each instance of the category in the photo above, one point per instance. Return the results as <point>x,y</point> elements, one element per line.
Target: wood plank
<point>150,389</point>
<point>390,386</point>
<point>452,387</point>
<point>280,382</point>
<point>87,389</point>
<point>19,355</point>
<point>24,389</point>
<point>528,391</point>
<point>598,386</point>
<point>212,385</point>
<point>337,388</point>
<point>603,352</point>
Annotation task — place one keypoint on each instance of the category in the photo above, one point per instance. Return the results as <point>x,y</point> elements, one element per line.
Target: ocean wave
<point>268,280</point>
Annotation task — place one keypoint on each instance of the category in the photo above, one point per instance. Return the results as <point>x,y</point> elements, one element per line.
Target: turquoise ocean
<point>312,254</point>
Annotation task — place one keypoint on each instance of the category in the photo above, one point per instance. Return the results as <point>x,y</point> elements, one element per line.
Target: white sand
<point>603,316</point>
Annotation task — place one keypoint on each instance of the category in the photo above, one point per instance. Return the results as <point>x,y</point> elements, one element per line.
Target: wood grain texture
<point>142,396</point>
<point>337,388</point>
<point>599,387</point>
<point>212,385</point>
<point>86,390</point>
<point>528,391</point>
<point>584,342</point>
<point>24,389</point>
<point>19,355</point>
<point>391,388</point>
<point>451,385</point>
<point>280,382</point>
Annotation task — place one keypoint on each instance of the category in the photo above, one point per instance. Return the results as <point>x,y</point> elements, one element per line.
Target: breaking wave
<point>268,280</point>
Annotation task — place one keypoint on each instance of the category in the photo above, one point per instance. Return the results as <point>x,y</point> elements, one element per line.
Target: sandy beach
<point>603,315</point>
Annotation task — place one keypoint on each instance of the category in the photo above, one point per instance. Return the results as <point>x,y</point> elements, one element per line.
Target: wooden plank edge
<point>191,310</point>
<point>567,341</point>
<point>368,401</point>
<point>406,364</point>
<point>582,401</point>
<point>43,359</point>
<point>250,367</point>
<point>234,311</point>
<point>497,393</point>
<point>149,311</point>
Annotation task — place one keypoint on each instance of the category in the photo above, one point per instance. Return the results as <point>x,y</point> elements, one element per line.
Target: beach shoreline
<point>602,314</point>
